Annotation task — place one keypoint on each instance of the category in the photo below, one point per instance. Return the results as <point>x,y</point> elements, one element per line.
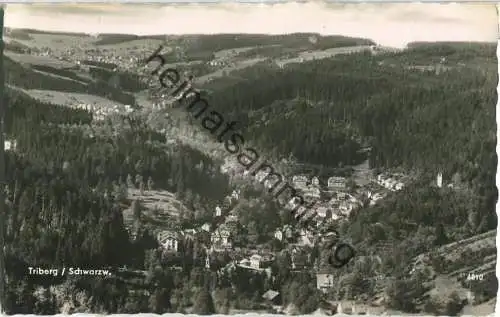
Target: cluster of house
<point>257,261</point>
<point>100,112</point>
<point>437,68</point>
<point>338,202</point>
<point>127,60</point>
<point>391,182</point>
<point>110,58</point>
<point>341,204</point>
<point>455,183</point>
<point>219,238</point>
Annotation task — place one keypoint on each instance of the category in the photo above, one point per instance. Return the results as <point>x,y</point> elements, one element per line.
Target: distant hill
<point>462,45</point>
<point>109,39</point>
<point>18,32</point>
<point>16,47</point>
<point>453,51</point>
<point>218,42</point>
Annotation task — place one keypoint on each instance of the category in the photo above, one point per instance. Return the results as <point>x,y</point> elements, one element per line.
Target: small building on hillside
<point>206,227</point>
<point>9,145</point>
<point>374,197</point>
<point>439,180</point>
<point>218,211</point>
<point>221,239</point>
<point>272,297</point>
<point>169,241</point>
<point>258,261</point>
<point>393,183</point>
<point>346,208</point>
<point>235,194</point>
<point>285,232</point>
<point>324,279</point>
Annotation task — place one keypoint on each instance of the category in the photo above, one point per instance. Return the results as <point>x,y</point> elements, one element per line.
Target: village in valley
<point>336,197</point>
<point>191,211</point>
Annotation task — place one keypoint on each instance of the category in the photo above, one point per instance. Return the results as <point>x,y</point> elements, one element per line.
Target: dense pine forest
<point>27,78</point>
<point>66,191</point>
<point>419,121</point>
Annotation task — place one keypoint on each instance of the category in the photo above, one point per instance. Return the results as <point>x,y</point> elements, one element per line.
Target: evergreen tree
<point>136,209</point>
<point>150,183</point>
<point>203,303</point>
<point>130,182</point>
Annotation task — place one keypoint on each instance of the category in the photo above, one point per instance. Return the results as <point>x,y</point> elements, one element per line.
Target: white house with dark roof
<point>292,203</point>
<point>312,192</point>
<point>346,207</point>
<point>218,211</point>
<point>324,279</point>
<point>169,240</point>
<point>272,297</point>
<point>300,181</point>
<point>236,194</point>
<point>9,145</point>
<point>322,210</point>
<point>391,183</point>
<point>284,232</point>
<point>206,227</point>
<point>258,261</point>
<point>336,182</point>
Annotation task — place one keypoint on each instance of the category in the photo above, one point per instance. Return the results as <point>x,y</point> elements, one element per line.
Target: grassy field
<point>227,70</point>
<point>161,209</point>
<point>320,54</point>
<point>69,98</point>
<point>40,60</point>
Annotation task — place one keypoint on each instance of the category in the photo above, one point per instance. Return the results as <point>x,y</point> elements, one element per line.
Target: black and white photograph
<point>265,158</point>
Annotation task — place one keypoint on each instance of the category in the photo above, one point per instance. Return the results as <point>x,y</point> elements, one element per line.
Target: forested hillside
<point>217,42</point>
<point>66,192</point>
<point>439,119</point>
<point>412,118</point>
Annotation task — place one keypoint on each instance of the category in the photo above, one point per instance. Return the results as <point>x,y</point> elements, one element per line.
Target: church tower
<point>439,180</point>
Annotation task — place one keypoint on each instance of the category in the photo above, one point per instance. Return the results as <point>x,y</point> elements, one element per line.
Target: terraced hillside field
<point>451,264</point>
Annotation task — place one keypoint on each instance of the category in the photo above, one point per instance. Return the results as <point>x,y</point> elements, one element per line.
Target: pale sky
<point>387,24</point>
